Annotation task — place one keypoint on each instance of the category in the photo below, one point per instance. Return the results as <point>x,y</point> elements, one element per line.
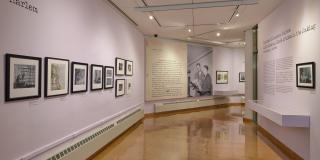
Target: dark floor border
<point>191,110</point>
<point>120,137</point>
<point>286,150</point>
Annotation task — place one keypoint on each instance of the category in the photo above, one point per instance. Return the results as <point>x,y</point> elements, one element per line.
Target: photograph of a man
<point>206,82</point>
<point>199,69</point>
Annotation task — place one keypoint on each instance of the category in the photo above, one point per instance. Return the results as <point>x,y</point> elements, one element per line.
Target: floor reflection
<point>217,134</point>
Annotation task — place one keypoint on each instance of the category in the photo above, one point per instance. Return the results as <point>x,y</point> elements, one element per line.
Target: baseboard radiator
<point>86,144</point>
<point>197,103</point>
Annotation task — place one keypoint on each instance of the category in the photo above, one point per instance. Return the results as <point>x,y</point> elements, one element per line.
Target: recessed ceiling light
<point>151,17</point>
<point>238,14</point>
<point>218,34</point>
<point>189,30</point>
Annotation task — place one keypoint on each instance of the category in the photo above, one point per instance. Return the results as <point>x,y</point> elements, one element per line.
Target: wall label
<point>273,42</point>
<point>25,4</point>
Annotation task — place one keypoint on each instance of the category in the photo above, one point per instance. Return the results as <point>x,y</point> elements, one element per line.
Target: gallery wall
<point>282,45</point>
<point>79,30</point>
<point>233,61</point>
<point>222,58</point>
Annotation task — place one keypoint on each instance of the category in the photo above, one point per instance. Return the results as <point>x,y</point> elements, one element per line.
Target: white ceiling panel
<point>166,2</point>
<point>174,18</point>
<point>213,15</point>
<point>174,24</point>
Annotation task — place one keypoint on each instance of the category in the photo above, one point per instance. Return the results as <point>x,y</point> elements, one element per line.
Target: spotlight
<point>151,17</point>
<point>189,30</point>
<point>237,15</point>
<point>218,34</point>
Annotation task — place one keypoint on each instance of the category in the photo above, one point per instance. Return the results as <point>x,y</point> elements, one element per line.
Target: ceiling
<point>204,23</point>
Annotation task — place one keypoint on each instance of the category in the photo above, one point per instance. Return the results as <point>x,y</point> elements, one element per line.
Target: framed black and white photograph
<point>222,77</point>
<point>242,76</point>
<point>108,77</point>
<point>56,77</point>
<point>96,77</point>
<point>305,73</point>
<point>79,77</point>
<point>22,77</point>
<point>129,68</point>
<point>128,86</point>
<point>120,67</point>
<point>120,87</point>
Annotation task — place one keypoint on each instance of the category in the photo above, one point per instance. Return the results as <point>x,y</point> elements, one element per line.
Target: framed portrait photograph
<point>79,77</point>
<point>22,77</point>
<point>222,77</point>
<point>56,77</point>
<point>129,68</point>
<point>306,75</point>
<point>120,87</point>
<point>242,76</point>
<point>128,86</point>
<point>120,67</point>
<point>108,77</point>
<point>96,77</point>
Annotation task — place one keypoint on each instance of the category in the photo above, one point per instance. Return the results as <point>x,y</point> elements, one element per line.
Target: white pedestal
<point>283,116</point>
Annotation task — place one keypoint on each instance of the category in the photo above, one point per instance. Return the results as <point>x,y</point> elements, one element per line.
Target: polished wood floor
<point>218,134</point>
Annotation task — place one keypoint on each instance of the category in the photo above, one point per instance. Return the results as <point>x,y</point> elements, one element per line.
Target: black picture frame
<point>129,70</point>
<point>46,77</point>
<point>120,91</point>
<point>222,73</point>
<point>73,85</point>
<point>9,80</point>
<point>106,77</point>
<point>240,77</point>
<point>92,87</point>
<point>309,81</point>
<point>120,67</point>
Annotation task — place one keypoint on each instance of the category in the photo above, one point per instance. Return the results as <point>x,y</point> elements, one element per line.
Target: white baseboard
<point>85,145</point>
<point>196,103</point>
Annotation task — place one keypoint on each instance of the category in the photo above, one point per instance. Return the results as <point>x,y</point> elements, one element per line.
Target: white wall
<point>293,14</point>
<point>232,60</point>
<point>78,30</point>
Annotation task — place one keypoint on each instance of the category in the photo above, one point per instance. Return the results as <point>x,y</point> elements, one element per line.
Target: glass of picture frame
<point>222,77</point>
<point>120,66</point>
<point>306,75</point>
<point>108,77</point>
<point>242,77</point>
<point>22,77</point>
<point>79,77</point>
<point>120,87</point>
<point>129,68</point>
<point>128,86</point>
<point>96,77</point>
<point>56,77</point>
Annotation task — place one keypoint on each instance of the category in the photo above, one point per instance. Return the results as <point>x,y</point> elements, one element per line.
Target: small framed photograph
<point>306,75</point>
<point>79,77</point>
<point>108,77</point>
<point>22,77</point>
<point>120,87</point>
<point>222,77</point>
<point>120,67</point>
<point>129,68</point>
<point>96,77</point>
<point>242,76</point>
<point>128,86</point>
<point>56,77</point>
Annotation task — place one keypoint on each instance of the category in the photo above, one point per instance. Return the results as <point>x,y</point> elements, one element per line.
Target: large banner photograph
<point>199,70</point>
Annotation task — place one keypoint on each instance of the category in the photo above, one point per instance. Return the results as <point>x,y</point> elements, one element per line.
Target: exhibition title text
<point>271,43</point>
<point>25,4</point>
